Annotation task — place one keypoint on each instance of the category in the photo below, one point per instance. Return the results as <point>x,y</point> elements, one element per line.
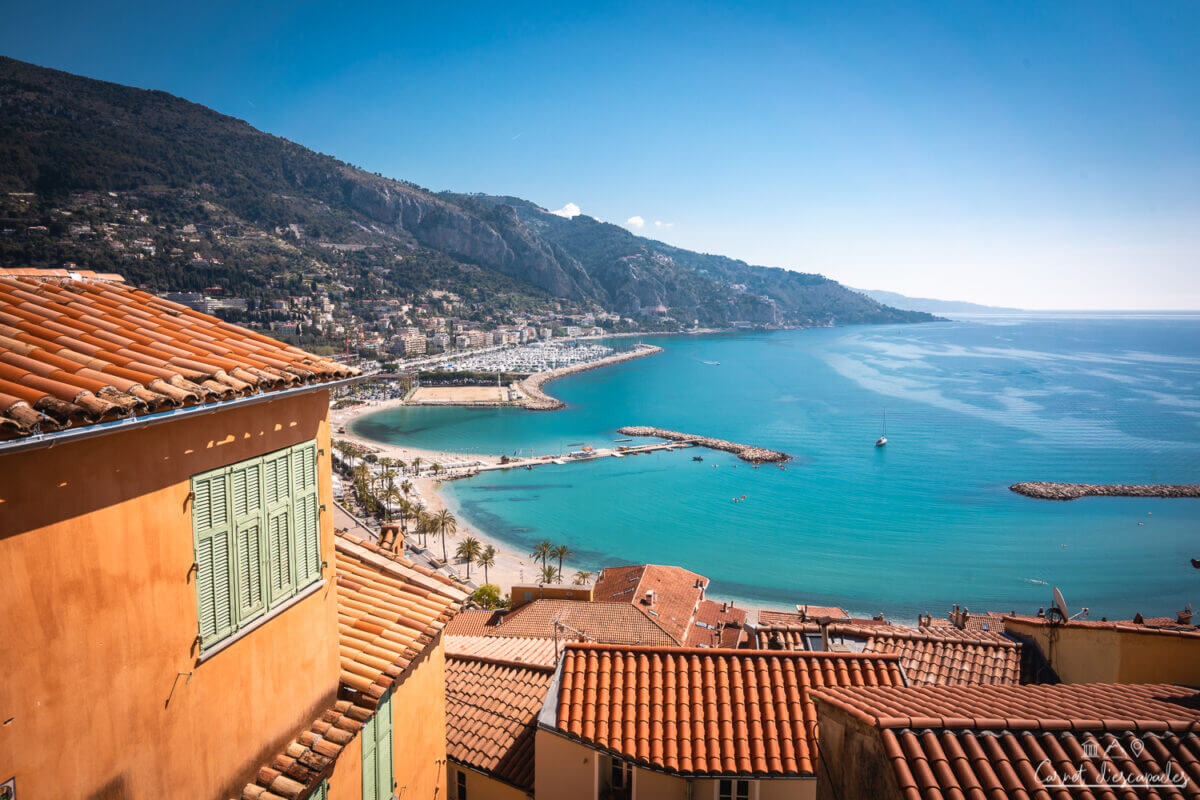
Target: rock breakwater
<point>1044,490</point>
<point>746,452</point>
<point>538,400</point>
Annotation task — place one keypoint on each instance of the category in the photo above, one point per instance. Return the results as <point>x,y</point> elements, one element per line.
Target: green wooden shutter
<point>369,766</point>
<point>321,792</point>
<point>383,749</point>
<point>305,515</point>
<point>247,500</point>
<point>280,559</point>
<point>212,528</point>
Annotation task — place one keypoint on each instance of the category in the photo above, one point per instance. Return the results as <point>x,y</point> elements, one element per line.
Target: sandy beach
<point>512,567</point>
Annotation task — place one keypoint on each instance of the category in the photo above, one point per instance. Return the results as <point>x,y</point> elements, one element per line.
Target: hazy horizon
<point>1033,156</point>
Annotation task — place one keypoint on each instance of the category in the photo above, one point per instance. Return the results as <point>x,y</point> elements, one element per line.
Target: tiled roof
<point>962,619</point>
<point>81,348</point>
<point>928,656</point>
<point>767,617</point>
<point>519,650</point>
<point>717,625</point>
<point>699,711</point>
<point>610,623</point>
<point>1161,626</point>
<point>991,741</point>
<point>474,622</point>
<point>310,756</point>
<point>389,612</point>
<point>677,592</point>
<point>491,716</point>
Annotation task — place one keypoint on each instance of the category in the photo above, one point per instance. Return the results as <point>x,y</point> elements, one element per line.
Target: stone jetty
<point>1070,491</point>
<point>746,452</point>
<point>538,400</point>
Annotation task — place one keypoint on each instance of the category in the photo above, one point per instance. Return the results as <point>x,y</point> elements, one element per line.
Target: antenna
<point>1060,605</point>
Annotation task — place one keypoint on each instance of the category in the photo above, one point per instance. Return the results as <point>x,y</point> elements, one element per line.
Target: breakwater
<point>538,400</point>
<point>1044,490</point>
<point>746,452</point>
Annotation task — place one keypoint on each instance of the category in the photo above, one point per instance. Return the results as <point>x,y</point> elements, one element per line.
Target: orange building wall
<point>98,613</point>
<point>345,782</point>
<point>419,730</point>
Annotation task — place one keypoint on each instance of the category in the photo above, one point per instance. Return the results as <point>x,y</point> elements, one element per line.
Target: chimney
<point>1185,616</point>
<point>650,596</point>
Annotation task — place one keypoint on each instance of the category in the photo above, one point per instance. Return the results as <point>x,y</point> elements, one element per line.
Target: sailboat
<point>882,440</point>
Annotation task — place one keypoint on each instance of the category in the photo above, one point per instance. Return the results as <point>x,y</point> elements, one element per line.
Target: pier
<point>746,452</point>
<point>1043,490</point>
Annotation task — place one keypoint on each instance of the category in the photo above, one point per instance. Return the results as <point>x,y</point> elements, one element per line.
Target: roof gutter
<point>70,435</point>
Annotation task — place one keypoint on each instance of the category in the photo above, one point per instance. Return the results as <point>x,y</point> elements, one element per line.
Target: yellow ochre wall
<point>419,729</point>
<point>345,782</point>
<point>101,695</point>
<point>1100,655</point>
<point>480,786</point>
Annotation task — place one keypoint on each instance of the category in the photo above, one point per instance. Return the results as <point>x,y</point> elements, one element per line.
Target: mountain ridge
<point>63,133</point>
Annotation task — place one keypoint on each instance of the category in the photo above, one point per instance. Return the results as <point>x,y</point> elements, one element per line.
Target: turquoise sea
<point>971,405</point>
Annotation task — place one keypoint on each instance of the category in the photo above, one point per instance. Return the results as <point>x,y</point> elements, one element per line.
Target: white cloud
<point>568,211</point>
<point>658,223</point>
<point>635,222</point>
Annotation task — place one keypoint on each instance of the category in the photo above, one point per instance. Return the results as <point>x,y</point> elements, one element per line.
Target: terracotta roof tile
<point>946,656</point>
<point>677,592</point>
<point>389,612</point>
<point>474,622</point>
<point>491,716</point>
<point>518,650</point>
<point>606,622</point>
<point>79,347</point>
<point>699,711</point>
<point>717,625</point>
<point>1131,740</point>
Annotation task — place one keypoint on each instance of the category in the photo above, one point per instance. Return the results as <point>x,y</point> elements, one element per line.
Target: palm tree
<point>486,559</point>
<point>421,520</point>
<point>542,551</point>
<point>406,486</point>
<point>435,468</point>
<point>468,550</point>
<point>548,574</point>
<point>391,495</point>
<point>445,524</point>
<point>583,578</point>
<point>416,465</point>
<point>561,552</point>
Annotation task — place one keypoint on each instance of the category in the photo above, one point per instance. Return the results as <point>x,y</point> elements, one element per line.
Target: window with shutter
<point>257,532</point>
<point>321,792</point>
<point>213,532</point>
<point>378,777</point>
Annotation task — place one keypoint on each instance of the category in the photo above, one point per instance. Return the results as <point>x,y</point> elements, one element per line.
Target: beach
<point>512,566</point>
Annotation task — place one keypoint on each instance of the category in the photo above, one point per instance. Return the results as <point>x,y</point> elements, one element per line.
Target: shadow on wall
<point>56,483</point>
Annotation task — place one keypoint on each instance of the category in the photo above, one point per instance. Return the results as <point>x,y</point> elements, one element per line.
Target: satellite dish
<point>1060,605</point>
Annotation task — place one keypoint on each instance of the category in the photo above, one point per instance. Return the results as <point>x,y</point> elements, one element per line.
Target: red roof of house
<point>677,593</point>
<point>1029,741</point>
<point>536,651</point>
<point>606,622</point>
<point>946,656</point>
<point>491,715</point>
<point>390,611</point>
<point>80,348</point>
<point>702,711</point>
<point>717,625</point>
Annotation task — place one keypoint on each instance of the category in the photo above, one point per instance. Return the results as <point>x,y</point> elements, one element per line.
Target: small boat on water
<point>713,363</point>
<point>697,458</point>
<point>882,440</point>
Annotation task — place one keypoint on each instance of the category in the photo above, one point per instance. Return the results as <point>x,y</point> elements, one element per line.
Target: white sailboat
<point>882,440</point>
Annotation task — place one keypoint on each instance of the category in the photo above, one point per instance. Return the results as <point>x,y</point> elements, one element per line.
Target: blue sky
<point>1044,155</point>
